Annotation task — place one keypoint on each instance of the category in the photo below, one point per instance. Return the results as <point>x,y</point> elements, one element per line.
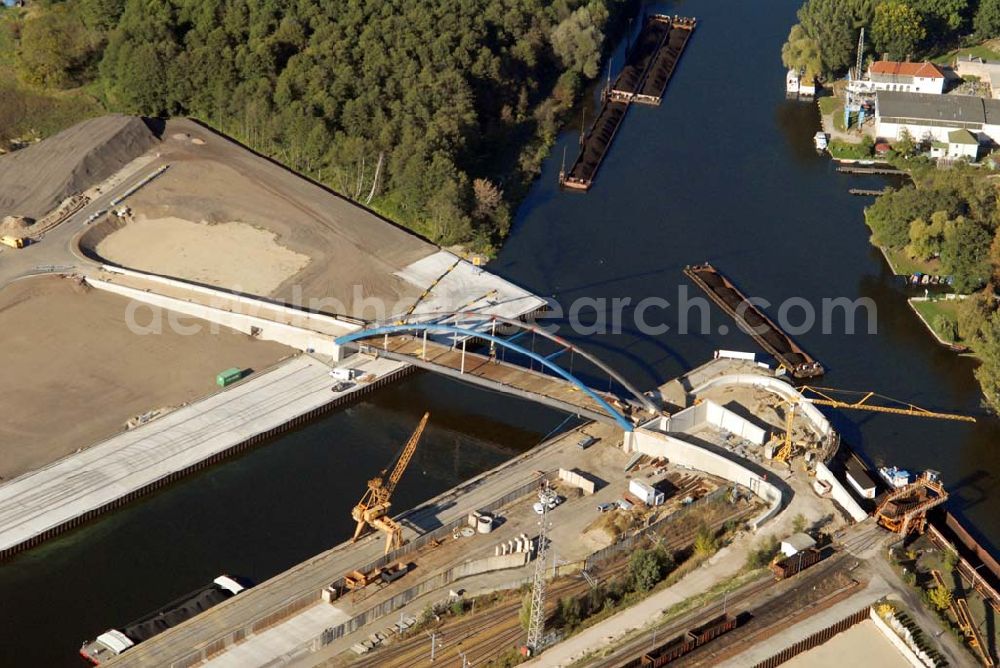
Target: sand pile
<point>15,226</point>
<point>230,255</point>
<point>34,180</point>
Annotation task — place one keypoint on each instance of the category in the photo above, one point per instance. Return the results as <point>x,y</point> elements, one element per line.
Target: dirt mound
<point>15,225</point>
<point>34,180</point>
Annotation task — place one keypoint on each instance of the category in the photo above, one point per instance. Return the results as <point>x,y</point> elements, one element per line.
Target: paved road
<point>57,248</point>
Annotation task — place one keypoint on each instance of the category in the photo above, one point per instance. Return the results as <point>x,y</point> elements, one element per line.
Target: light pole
<point>433,636</point>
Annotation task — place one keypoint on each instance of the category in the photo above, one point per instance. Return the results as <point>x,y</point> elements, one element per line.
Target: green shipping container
<point>228,377</point>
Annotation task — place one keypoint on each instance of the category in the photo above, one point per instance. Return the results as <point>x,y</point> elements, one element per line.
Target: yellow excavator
<point>373,509</point>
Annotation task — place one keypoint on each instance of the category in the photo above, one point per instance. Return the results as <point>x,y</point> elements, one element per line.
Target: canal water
<point>723,171</point>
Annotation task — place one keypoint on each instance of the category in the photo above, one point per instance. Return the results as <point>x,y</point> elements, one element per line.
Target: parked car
<point>551,502</point>
<point>586,442</point>
<point>605,507</point>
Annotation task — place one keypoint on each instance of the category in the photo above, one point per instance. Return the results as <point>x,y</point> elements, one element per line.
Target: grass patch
<point>934,312</point>
<point>904,264</point>
<point>988,50</point>
<point>843,150</point>
<point>830,104</point>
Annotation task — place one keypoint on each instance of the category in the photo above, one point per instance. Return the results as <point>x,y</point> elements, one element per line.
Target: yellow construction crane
<point>821,396</point>
<point>373,509</point>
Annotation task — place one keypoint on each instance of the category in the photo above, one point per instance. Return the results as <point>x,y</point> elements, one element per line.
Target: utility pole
<point>433,637</point>
<point>536,624</point>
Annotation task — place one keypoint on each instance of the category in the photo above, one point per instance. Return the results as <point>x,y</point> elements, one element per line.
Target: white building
<point>932,118</point>
<point>960,144</point>
<point>906,77</point>
<point>796,543</point>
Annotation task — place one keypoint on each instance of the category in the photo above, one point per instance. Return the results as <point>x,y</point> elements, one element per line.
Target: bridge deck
<point>486,371</point>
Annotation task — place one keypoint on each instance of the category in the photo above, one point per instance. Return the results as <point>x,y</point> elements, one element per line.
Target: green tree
<point>987,19</point>
<point>799,523</point>
<point>988,351</point>
<point>56,49</point>
<point>942,18</point>
<point>833,27</point>
<point>905,145</point>
<point>645,569</point>
<point>940,597</point>
<point>973,313</point>
<point>802,53</point>
<point>946,328</point>
<point>577,40</point>
<point>926,238</point>
<point>965,254</point>
<point>897,29</point>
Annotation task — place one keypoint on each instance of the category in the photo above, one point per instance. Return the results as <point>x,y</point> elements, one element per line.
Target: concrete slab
<point>285,638</point>
<point>39,502</point>
<point>465,287</point>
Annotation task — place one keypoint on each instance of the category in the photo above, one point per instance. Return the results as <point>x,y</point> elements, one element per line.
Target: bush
<point>648,567</point>
<point>705,543</point>
<point>762,555</point>
<point>799,523</point>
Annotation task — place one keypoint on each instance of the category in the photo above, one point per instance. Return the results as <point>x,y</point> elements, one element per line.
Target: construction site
<point>719,504</point>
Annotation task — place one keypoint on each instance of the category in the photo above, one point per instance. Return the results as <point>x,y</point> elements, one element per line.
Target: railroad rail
<point>753,321</point>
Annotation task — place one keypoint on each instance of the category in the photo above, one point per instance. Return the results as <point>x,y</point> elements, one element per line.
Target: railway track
<point>486,635</point>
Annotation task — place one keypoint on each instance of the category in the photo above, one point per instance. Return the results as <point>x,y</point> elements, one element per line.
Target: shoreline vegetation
<point>437,115</point>
<point>946,220</point>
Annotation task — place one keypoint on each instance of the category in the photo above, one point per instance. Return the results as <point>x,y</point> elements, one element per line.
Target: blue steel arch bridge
<point>444,342</point>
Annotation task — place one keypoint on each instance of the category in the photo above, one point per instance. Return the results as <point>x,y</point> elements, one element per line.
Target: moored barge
<point>113,642</point>
<point>753,321</point>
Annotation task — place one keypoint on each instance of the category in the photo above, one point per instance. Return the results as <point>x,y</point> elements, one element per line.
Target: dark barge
<point>753,321</point>
<point>113,642</point>
<point>643,79</point>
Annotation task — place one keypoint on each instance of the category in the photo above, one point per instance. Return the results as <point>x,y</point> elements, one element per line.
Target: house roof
<point>941,108</point>
<point>962,137</point>
<point>893,68</point>
<point>800,541</point>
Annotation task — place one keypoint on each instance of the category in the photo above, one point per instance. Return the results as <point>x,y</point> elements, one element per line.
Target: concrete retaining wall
<point>477,566</point>
<point>577,480</point>
<point>263,328</point>
<point>817,420</point>
<point>840,494</point>
<point>719,417</point>
<point>656,444</point>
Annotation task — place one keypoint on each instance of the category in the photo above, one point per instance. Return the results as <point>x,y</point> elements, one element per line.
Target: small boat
<point>896,477</point>
<point>866,163</point>
<point>820,139</point>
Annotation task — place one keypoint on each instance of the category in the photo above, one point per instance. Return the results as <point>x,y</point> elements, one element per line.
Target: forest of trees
<point>953,215</point>
<point>825,39</point>
<point>432,112</point>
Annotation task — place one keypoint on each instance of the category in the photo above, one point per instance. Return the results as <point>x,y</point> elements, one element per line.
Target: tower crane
<point>823,396</point>
<point>373,509</point>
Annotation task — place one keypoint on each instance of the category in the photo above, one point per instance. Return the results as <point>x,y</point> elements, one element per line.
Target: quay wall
<point>87,514</point>
<point>840,494</point>
<point>682,453</point>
